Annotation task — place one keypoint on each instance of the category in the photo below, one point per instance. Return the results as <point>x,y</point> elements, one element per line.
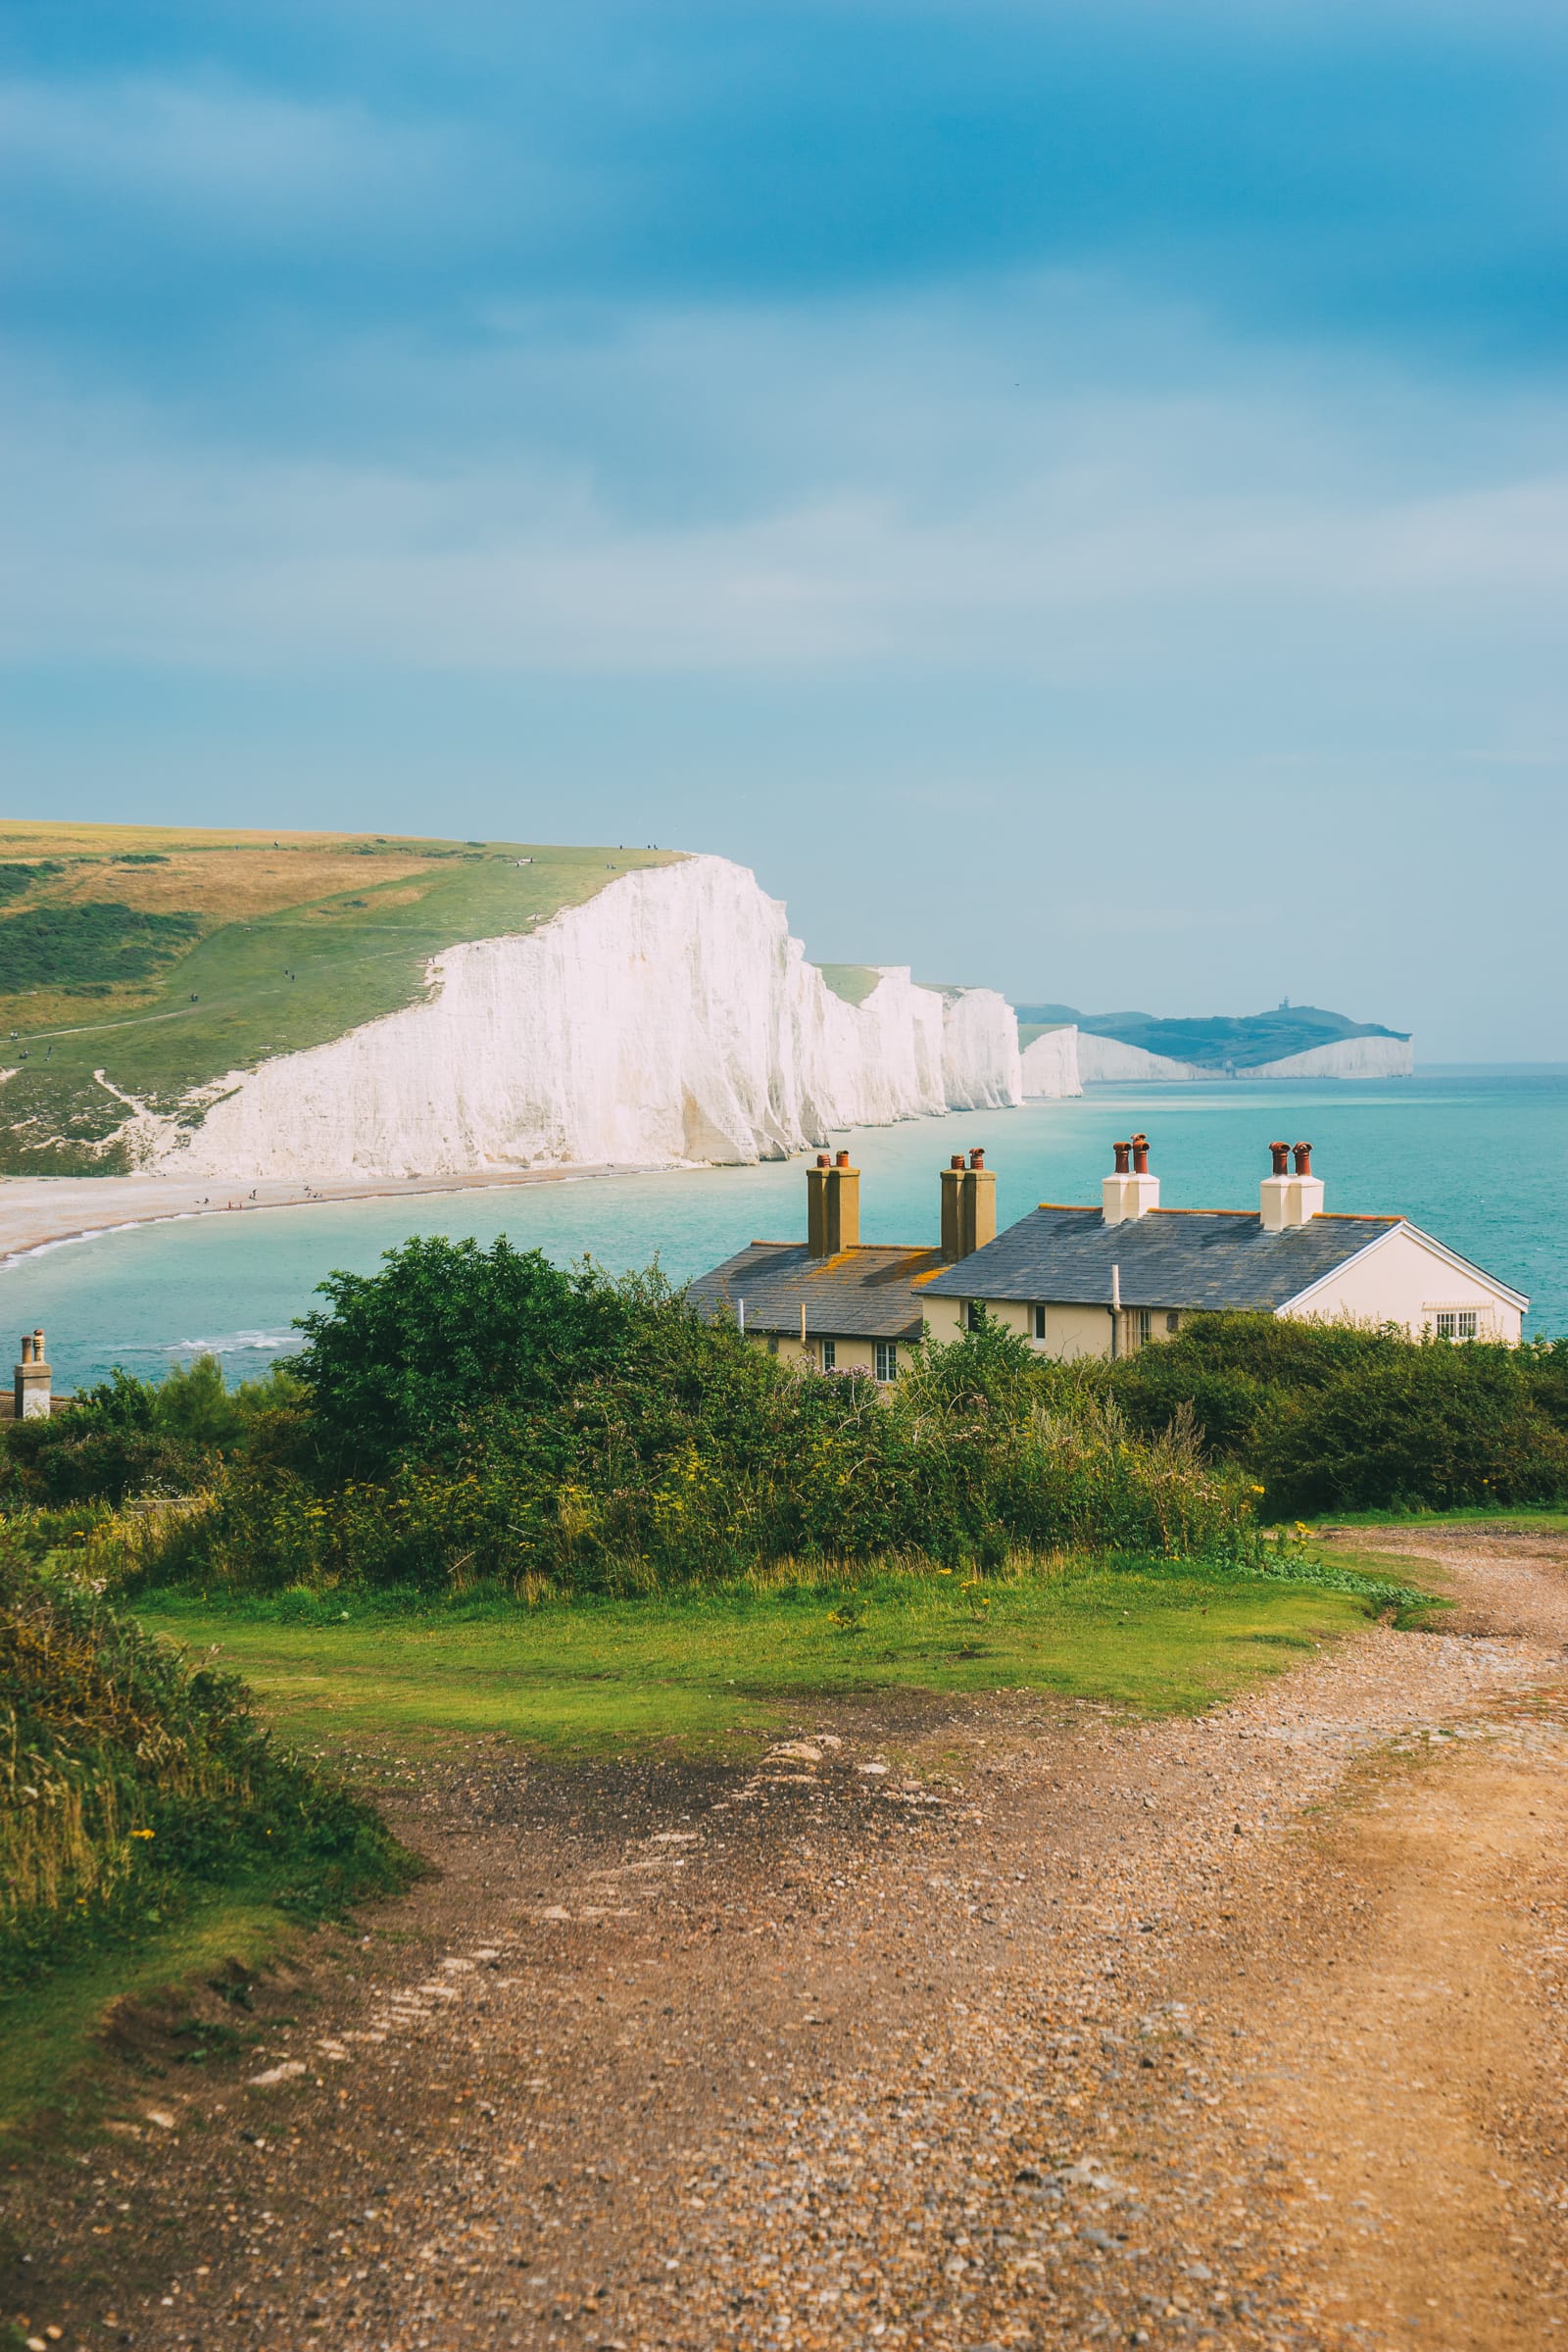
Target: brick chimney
<point>1290,1196</point>
<point>832,1205</point>
<point>32,1393</point>
<point>1129,1190</point>
<point>968,1205</point>
<point>952,1176</point>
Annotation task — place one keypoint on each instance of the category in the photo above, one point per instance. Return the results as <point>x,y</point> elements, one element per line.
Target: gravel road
<point>972,2025</point>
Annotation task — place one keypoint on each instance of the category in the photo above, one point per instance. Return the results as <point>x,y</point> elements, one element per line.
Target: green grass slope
<point>163,960</point>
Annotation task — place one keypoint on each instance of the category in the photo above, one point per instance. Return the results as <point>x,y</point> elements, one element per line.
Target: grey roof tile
<point>867,1292</point>
<point>1172,1257</point>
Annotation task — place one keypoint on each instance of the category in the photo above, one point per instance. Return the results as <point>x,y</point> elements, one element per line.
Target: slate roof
<point>871,1292</point>
<point>1171,1257</point>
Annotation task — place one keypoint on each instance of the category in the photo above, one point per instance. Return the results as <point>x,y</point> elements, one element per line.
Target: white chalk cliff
<point>1345,1057</point>
<point>1050,1068</point>
<point>1107,1062</point>
<point>671,1018</point>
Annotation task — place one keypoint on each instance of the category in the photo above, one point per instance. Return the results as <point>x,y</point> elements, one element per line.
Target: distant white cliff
<point>1345,1057</point>
<point>1050,1065</point>
<point>671,1018</point>
<point>1107,1062</point>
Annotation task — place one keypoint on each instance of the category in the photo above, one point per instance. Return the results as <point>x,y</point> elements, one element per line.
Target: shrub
<point>406,1356</point>
<point>1433,1425</point>
<point>131,1775</point>
<point>1339,1417</point>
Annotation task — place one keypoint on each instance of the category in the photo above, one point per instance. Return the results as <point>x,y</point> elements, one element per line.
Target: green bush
<point>404,1358</point>
<point>1431,1427</point>
<point>131,1775</point>
<point>1335,1417</point>
<point>130,1438</point>
<point>625,1442</point>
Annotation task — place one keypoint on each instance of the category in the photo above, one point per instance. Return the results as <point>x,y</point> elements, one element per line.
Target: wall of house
<point>853,1356</point>
<point>1404,1281</point>
<point>1070,1331</point>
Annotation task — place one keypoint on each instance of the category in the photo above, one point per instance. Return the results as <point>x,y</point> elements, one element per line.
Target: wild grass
<point>132,1774</point>
<point>726,1665</point>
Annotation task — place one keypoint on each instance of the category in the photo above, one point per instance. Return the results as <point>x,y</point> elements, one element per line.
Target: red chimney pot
<point>1140,1155</point>
<point>957,1161</point>
<point>1281,1154</point>
<point>823,1160</point>
<point>977,1158</point>
<point>843,1159</point>
<point>1303,1159</point>
<point>1121,1151</point>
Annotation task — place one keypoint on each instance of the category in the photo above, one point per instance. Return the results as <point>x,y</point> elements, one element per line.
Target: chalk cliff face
<point>1107,1062</point>
<point>1346,1057</point>
<point>1050,1066</point>
<point>672,1019</point>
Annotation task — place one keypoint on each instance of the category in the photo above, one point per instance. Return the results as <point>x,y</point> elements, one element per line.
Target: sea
<point>1477,1157</point>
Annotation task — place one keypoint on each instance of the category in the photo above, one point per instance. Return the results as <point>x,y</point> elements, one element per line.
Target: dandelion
<point>143,1833</point>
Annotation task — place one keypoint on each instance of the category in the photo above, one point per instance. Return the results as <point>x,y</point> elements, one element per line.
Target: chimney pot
<point>977,1158</point>
<point>957,1161</point>
<point>841,1161</point>
<point>1140,1155</point>
<point>823,1160</point>
<point>1303,1159</point>
<point>1281,1154</point>
<point>1122,1150</point>
<point>27,1346</point>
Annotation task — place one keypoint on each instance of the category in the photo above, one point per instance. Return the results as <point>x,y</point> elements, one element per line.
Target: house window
<point>1457,1323</point>
<point>974,1315</point>
<point>1173,1322</point>
<point>1143,1326</point>
<point>887,1360</point>
<point>1040,1322</point>
<point>830,1354</point>
<point>772,1343</point>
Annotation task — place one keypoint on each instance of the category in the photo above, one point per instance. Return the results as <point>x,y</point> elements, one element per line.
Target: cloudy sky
<point>1074,492</point>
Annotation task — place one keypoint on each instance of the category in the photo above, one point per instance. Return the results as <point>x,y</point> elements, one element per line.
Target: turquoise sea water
<point>1479,1158</point>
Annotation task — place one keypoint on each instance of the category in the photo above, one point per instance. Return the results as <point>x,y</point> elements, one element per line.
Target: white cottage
<point>1083,1281</point>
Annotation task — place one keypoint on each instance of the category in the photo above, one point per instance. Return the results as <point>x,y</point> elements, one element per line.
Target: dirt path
<point>1002,2026</point>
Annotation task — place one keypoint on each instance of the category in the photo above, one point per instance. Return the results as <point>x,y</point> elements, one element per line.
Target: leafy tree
<point>404,1358</point>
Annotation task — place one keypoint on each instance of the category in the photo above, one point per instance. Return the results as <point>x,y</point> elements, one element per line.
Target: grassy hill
<point>1239,1041</point>
<point>162,958</point>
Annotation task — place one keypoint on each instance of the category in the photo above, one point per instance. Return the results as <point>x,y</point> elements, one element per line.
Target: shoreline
<point>39,1212</point>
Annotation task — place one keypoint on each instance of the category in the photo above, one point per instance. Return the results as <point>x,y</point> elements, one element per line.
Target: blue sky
<point>1075,495</point>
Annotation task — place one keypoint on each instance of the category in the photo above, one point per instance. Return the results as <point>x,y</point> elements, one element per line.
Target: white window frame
<point>1142,1319</point>
<point>886,1360</point>
<point>830,1355</point>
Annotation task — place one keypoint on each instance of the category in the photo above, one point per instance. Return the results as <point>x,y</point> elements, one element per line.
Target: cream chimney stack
<point>1287,1196</point>
<point>32,1393</point>
<point>1130,1191</point>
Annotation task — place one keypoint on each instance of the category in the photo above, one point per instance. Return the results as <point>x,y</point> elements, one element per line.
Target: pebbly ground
<point>988,2025</point>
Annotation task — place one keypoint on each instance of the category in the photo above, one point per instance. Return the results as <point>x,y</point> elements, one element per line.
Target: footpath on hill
<point>953,2024</point>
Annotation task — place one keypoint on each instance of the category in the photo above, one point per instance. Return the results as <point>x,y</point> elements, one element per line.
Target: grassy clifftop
<point>143,961</point>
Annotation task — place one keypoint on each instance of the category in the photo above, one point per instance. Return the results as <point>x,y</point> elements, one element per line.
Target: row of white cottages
<point>1078,1281</point>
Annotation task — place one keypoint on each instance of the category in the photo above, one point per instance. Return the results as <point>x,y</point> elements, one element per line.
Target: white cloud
<point>723,492</point>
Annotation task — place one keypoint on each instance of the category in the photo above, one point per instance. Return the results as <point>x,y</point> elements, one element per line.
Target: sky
<point>1074,492</point>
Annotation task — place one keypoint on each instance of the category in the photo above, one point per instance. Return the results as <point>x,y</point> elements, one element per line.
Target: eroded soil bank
<point>960,2026</point>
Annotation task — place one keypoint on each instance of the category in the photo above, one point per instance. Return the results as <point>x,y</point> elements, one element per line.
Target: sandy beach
<point>39,1209</point>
